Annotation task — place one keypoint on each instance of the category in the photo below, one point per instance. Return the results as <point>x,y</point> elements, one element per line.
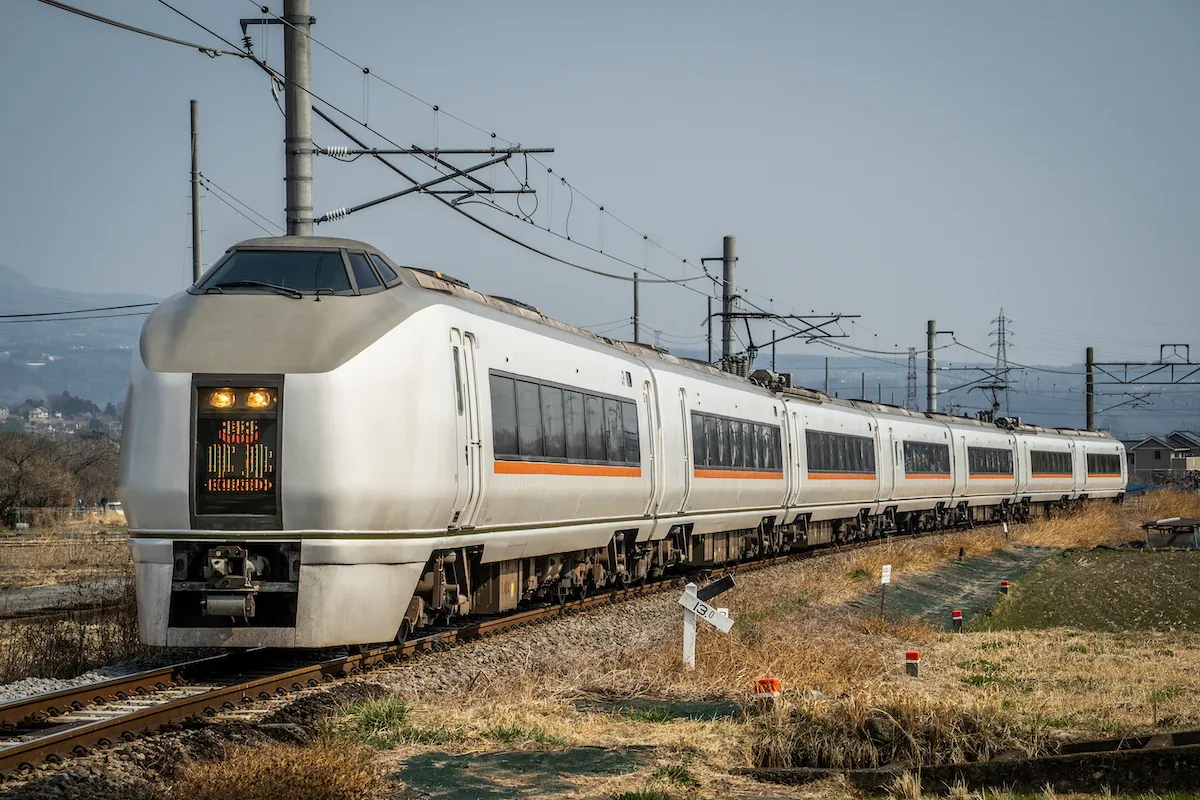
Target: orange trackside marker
<point>912,663</point>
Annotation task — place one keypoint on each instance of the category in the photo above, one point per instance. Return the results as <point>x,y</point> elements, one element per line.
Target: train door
<point>794,432</point>
<point>469,481</point>
<point>654,438</point>
<point>686,444</point>
<point>887,469</point>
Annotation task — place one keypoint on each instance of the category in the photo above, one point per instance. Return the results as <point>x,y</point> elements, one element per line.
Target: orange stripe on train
<point>990,476</point>
<point>927,476</point>
<point>1051,475</point>
<point>736,474</point>
<point>841,476</point>
<point>1104,474</point>
<point>550,468</point>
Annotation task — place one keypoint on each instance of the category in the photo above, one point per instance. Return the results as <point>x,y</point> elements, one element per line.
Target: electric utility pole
<point>298,146</point>
<point>197,257</point>
<point>728,299</point>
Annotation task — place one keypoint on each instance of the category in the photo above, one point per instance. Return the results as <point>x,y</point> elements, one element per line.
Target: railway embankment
<point>596,705</point>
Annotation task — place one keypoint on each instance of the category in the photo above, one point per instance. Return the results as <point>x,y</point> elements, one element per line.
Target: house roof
<point>1185,438</point>
<point>1159,442</point>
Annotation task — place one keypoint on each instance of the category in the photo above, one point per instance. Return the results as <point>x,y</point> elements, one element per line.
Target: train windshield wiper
<point>274,287</point>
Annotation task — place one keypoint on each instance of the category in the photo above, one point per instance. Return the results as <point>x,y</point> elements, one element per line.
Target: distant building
<point>39,413</point>
<point>3,413</point>
<point>1176,452</point>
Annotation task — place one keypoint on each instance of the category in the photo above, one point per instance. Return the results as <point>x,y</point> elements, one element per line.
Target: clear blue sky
<point>901,161</point>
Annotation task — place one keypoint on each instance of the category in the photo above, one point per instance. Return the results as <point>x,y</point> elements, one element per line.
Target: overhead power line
<point>78,311</point>
<point>209,51</point>
<point>74,319</point>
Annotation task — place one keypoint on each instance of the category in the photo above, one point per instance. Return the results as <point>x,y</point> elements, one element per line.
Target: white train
<point>324,448</point>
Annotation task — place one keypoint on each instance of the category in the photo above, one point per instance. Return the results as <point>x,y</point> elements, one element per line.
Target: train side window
<point>614,431</point>
<point>458,382</point>
<point>529,419</point>
<point>699,451</point>
<point>723,442</point>
<point>754,446</point>
<point>633,453</point>
<point>776,448</point>
<point>576,429</point>
<point>364,276</point>
<point>594,414</point>
<point>736,458</point>
<point>553,423</point>
<point>504,416</point>
<point>710,436</point>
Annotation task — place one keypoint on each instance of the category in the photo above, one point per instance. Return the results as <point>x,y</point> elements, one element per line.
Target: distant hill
<point>88,358</point>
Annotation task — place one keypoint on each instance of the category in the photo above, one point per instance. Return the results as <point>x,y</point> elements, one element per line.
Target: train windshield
<point>300,270</point>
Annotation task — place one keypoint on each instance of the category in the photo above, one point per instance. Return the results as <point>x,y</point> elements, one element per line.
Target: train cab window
<point>595,428</point>
<point>504,416</point>
<point>364,276</point>
<point>308,271</point>
<point>576,428</point>
<point>529,419</point>
<point>553,422</point>
<point>629,421</point>
<point>387,273</point>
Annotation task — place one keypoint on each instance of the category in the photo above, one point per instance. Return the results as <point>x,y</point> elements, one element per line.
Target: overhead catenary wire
<point>74,319</point>
<point>77,311</point>
<point>214,185</point>
<point>438,110</point>
<point>209,51</point>
<point>210,185</point>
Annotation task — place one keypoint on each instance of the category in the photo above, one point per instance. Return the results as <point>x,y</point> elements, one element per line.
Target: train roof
<point>762,379</point>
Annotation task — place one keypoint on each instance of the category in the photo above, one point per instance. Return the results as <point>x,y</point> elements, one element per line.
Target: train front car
<point>257,490</point>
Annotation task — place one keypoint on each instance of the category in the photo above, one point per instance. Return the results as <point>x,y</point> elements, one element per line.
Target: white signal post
<point>885,577</point>
<point>693,608</point>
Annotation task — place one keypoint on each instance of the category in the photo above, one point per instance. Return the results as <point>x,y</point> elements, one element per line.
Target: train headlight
<point>221,398</point>
<point>259,398</point>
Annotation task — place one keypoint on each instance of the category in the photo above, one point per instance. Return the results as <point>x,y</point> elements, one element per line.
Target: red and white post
<point>912,663</point>
<point>956,619</point>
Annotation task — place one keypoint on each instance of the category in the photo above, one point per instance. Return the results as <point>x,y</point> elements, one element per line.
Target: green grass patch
<point>643,794</point>
<point>676,775</point>
<point>518,733</point>
<point>385,724</point>
<point>653,715</point>
<point>1104,590</point>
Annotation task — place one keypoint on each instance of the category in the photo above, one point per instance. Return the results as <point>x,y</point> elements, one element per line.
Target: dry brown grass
<point>979,694</point>
<point>66,551</point>
<point>334,771</point>
<point>69,644</point>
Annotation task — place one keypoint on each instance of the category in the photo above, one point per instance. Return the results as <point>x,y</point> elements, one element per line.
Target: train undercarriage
<point>216,584</point>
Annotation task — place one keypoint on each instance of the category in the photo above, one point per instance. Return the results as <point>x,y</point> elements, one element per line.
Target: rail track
<point>75,721</point>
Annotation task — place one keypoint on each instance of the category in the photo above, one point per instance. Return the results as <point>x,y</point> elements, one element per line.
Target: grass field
<point>1106,590</point>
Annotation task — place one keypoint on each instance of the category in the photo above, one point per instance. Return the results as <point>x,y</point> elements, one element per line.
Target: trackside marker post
<point>912,663</point>
<point>766,692</point>
<point>956,619</point>
<point>885,577</point>
<point>1005,586</point>
<point>696,606</point>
